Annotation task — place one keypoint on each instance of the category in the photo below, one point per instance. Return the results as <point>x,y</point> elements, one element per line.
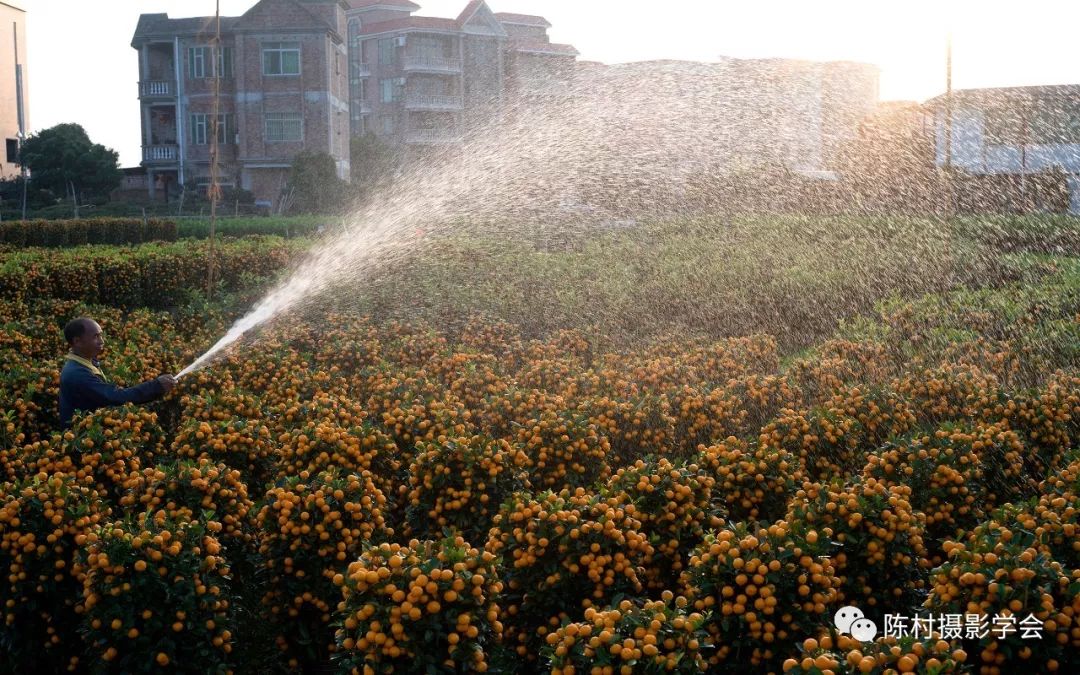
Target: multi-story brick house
<point>417,80</point>
<point>301,74</point>
<point>283,90</point>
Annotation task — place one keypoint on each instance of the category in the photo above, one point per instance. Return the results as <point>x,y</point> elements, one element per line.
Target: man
<point>83,386</point>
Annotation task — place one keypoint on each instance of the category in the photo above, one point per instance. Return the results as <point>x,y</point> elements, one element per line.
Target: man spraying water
<point>83,385</point>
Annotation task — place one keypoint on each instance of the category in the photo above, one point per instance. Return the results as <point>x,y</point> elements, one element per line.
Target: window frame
<point>212,62</point>
<point>388,57</point>
<point>396,89</point>
<point>199,123</point>
<point>280,49</point>
<point>201,51</point>
<point>282,118</point>
<point>224,63</point>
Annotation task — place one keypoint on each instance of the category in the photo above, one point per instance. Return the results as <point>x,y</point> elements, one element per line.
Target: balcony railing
<point>432,102</point>
<point>159,153</point>
<point>361,69</point>
<point>435,64</point>
<point>448,135</point>
<point>150,88</point>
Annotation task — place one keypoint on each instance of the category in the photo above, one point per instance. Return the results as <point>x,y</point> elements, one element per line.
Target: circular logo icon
<point>863,630</point>
<point>845,616</point>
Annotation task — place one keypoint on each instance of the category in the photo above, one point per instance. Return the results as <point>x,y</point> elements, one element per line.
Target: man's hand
<point>167,382</point>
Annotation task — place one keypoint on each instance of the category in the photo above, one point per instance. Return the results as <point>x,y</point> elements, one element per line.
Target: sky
<point>82,67</point>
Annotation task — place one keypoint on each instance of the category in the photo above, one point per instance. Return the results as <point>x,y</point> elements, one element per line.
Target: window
<point>386,123</point>
<point>201,62</point>
<point>13,151</point>
<point>387,52</point>
<point>197,60</point>
<point>201,128</point>
<point>428,48</point>
<point>281,58</point>
<point>392,89</point>
<point>284,127</point>
<point>224,62</point>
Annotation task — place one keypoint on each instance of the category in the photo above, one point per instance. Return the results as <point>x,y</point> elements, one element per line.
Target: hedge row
<point>151,275</point>
<point>120,231</point>
<point>288,227</point>
<point>61,233</point>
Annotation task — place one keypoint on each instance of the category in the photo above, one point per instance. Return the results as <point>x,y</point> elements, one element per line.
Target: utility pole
<point>1027,107</point>
<point>20,113</point>
<point>949,207</point>
<point>214,190</point>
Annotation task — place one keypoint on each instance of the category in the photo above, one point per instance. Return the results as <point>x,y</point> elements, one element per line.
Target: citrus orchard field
<point>349,493</point>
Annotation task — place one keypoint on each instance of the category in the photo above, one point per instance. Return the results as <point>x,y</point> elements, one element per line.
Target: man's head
<point>84,337</point>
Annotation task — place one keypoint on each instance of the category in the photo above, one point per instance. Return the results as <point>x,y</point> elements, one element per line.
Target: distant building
<point>1013,132</point>
<point>13,27</point>
<point>418,80</point>
<point>742,112</point>
<point>284,89</point>
<point>307,74</point>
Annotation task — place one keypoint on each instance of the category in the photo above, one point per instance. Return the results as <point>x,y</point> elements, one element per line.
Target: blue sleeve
<point>98,392</point>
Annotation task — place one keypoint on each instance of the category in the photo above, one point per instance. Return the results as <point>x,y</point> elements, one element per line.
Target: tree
<point>63,160</point>
<point>314,183</point>
<point>373,162</point>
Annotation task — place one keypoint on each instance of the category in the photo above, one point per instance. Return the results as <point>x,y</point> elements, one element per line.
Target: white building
<point>1014,131</point>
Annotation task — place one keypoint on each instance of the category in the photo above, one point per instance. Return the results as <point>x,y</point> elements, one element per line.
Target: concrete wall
<point>526,32</point>
<point>9,122</point>
<point>971,152</point>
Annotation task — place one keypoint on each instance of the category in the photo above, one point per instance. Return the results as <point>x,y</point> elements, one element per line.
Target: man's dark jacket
<point>82,390</point>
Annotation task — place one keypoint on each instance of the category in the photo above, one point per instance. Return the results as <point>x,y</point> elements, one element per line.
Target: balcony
<point>159,154</point>
<point>432,102</point>
<point>449,135</point>
<point>357,70</point>
<point>431,64</point>
<point>157,89</point>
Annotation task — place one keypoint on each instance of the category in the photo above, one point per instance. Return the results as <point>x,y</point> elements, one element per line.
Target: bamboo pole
<point>214,190</point>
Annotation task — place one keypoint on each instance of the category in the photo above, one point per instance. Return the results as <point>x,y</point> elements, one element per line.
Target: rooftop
<point>542,47</point>
<point>522,19</point>
<point>1004,94</point>
<point>391,4</point>
<point>410,22</point>
<point>151,25</point>
<point>160,25</point>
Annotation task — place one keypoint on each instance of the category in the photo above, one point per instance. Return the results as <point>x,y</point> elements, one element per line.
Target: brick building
<point>418,80</point>
<point>304,74</point>
<point>283,90</point>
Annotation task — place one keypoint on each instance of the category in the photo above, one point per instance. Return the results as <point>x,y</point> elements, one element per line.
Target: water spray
<point>513,166</point>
